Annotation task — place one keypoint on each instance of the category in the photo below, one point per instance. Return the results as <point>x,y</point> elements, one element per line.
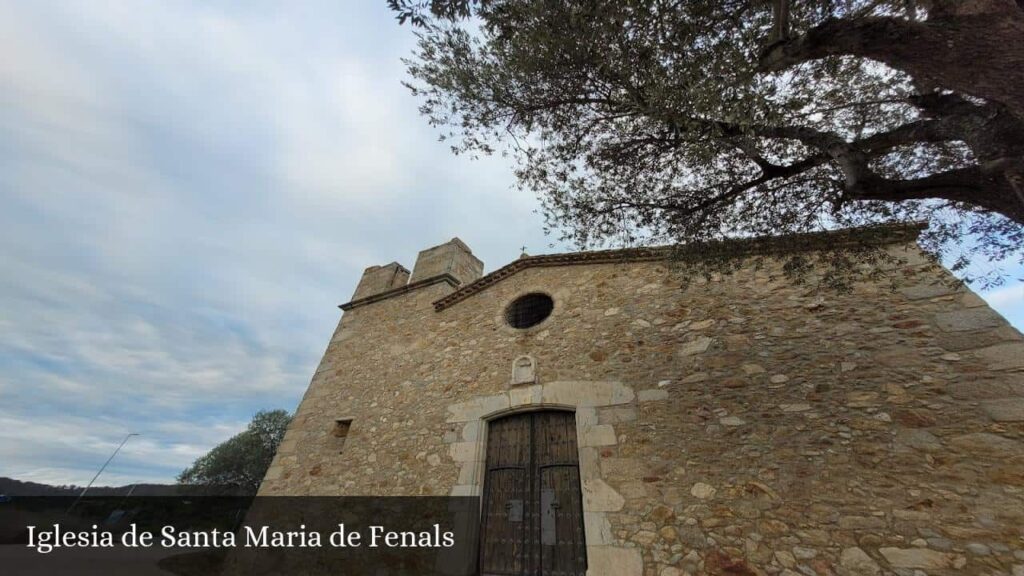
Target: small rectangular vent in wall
<point>340,432</point>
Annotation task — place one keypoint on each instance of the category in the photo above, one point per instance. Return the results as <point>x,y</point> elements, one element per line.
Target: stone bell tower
<point>453,258</point>
<point>452,261</point>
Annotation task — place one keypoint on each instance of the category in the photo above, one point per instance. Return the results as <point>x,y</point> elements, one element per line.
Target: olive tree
<point>681,121</point>
<point>239,463</point>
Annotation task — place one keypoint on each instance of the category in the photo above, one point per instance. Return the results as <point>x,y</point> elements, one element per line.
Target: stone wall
<point>743,425</point>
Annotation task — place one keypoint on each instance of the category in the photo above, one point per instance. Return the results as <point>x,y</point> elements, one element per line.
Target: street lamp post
<point>102,468</point>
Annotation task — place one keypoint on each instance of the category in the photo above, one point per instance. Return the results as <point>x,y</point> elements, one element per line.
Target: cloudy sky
<point>187,192</point>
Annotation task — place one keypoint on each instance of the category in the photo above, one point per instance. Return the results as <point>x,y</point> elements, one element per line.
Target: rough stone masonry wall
<point>744,425</point>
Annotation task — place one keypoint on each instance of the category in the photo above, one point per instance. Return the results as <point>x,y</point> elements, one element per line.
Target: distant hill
<point>12,487</point>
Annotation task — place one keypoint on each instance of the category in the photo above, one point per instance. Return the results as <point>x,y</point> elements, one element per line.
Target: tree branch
<point>985,187</point>
<point>978,54</point>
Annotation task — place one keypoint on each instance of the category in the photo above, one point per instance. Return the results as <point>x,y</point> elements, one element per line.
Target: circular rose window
<point>529,310</point>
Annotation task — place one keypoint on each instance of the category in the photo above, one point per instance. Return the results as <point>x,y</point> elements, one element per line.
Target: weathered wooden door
<point>533,510</point>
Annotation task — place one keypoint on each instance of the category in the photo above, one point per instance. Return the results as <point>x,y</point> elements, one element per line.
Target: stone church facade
<point>638,424</point>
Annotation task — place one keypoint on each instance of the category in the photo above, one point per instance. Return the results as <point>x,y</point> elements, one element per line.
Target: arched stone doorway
<point>532,505</point>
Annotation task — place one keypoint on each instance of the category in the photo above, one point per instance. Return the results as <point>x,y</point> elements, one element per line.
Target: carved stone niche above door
<point>524,370</point>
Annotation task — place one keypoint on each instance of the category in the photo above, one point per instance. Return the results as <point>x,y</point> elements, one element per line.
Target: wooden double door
<point>532,509</point>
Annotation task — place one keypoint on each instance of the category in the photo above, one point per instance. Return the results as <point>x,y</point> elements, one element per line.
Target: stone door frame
<point>468,449</point>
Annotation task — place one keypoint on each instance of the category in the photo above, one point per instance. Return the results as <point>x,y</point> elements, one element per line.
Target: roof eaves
<point>448,278</point>
<point>788,243</point>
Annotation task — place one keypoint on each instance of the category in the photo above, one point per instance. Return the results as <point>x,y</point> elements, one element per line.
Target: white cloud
<point>1009,300</point>
<point>70,449</point>
<point>188,190</point>
<point>1009,295</point>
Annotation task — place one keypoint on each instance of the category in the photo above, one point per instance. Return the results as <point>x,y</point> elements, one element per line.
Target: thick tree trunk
<point>977,54</point>
<point>980,186</point>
